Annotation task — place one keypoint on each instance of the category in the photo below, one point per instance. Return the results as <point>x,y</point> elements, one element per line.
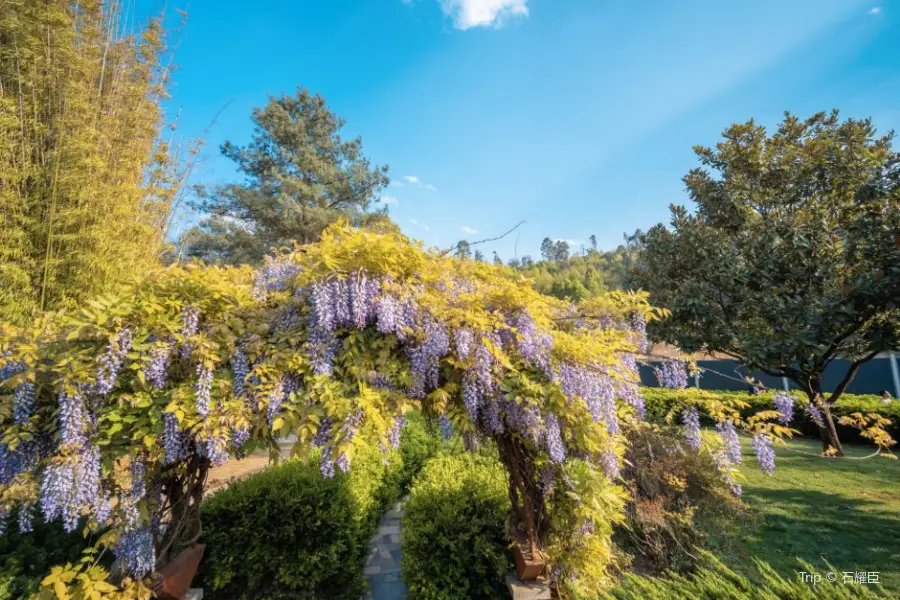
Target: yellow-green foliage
<point>86,189</point>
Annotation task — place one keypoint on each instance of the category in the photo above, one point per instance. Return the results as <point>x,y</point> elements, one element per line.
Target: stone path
<point>383,565</point>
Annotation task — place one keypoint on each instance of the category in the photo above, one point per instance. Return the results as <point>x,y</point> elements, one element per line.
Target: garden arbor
<point>112,417</point>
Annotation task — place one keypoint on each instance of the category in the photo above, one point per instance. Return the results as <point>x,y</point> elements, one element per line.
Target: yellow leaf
<point>61,591</point>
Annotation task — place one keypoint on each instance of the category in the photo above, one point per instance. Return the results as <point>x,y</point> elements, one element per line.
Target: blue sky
<point>576,116</point>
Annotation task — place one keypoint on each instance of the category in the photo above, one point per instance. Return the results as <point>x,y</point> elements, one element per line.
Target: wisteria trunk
<point>182,493</point>
<point>525,494</point>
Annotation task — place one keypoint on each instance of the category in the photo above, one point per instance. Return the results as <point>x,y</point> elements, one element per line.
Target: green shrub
<point>25,559</point>
<point>290,533</point>
<point>418,442</point>
<point>453,539</point>
<point>660,400</point>
<point>675,497</point>
<point>715,581</point>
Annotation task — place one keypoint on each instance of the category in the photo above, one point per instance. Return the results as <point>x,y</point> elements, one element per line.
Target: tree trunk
<point>830,439</point>
<point>531,512</point>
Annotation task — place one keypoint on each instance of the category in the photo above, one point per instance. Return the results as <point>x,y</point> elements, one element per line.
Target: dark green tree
<point>300,175</point>
<point>792,257</point>
<point>547,249</point>
<point>463,251</point>
<point>478,255</point>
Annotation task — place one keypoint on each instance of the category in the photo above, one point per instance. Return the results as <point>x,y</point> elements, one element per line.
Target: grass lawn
<point>844,511</point>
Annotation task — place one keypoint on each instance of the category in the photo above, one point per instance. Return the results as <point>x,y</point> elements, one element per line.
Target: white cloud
<point>483,13</point>
<point>396,184</point>
<point>570,242</point>
<point>422,225</point>
<point>469,230</point>
<point>875,11</point>
<point>385,199</point>
<point>413,180</point>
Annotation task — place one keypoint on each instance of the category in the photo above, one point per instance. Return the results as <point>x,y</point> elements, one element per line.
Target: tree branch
<point>494,239</point>
<point>851,373</point>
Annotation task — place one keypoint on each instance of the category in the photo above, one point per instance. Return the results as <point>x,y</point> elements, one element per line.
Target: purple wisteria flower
<point>784,404</point>
<point>156,372</point>
<point>596,388</point>
<point>628,386</point>
<point>71,486</point>
<point>730,441</point>
<point>15,462</point>
<point>815,413</point>
<point>26,517</point>
<point>112,360</point>
<point>203,388</point>
<point>326,466</point>
<point>273,404</point>
<point>553,439</point>
<point>175,441</point>
<point>73,419</point>
<point>240,367</point>
<point>610,464</point>
<point>394,435</point>
<point>136,551</point>
<point>533,344</point>
<point>274,276</point>
<point>23,403</point>
<point>672,374</point>
<point>446,427</point>
<point>723,464</point>
<point>425,358</point>
<point>190,325</point>
<point>323,433</point>
<point>691,419</point>
<point>637,324</point>
<point>463,343</point>
<point>765,454</point>
<point>343,463</point>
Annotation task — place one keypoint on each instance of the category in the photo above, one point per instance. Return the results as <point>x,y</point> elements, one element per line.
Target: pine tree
<point>300,175</point>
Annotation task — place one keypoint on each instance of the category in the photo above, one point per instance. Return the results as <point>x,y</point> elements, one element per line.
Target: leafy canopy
<point>792,256</point>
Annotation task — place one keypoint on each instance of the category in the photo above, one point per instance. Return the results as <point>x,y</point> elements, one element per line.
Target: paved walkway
<point>383,565</point>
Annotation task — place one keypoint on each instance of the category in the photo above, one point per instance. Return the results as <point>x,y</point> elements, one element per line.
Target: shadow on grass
<point>853,534</point>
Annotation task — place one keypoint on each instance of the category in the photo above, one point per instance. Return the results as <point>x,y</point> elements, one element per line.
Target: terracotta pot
<point>528,566</point>
<point>175,578</point>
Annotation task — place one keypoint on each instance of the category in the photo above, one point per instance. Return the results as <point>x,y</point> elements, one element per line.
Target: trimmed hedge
<point>660,400</point>
<point>290,533</point>
<point>453,536</point>
<point>715,580</point>
<point>418,443</point>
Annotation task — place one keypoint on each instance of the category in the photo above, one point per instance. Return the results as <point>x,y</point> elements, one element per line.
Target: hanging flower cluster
<point>765,454</point>
<point>784,404</point>
<point>672,374</point>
